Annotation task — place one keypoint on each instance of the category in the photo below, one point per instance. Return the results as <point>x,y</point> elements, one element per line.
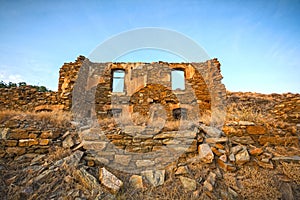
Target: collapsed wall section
<point>27,98</point>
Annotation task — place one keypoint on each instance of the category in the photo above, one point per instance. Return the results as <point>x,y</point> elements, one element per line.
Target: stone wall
<point>26,98</point>
<point>147,89</point>
<point>26,134</point>
<point>146,85</point>
<point>67,76</point>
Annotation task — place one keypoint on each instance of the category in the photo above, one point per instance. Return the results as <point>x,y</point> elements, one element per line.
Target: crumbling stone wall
<point>147,84</point>
<point>136,83</point>
<point>24,135</point>
<point>26,98</point>
<point>67,76</point>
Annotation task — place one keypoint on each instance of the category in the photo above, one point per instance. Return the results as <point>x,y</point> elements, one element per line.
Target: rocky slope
<point>254,156</point>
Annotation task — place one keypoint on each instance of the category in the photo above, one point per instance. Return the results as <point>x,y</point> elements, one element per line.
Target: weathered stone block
<point>15,150</point>
<point>28,142</point>
<point>46,135</point>
<point>109,180</point>
<point>205,153</point>
<point>256,130</point>
<point>155,177</point>
<point>242,157</point>
<point>123,159</point>
<point>144,163</point>
<point>188,183</point>
<point>11,143</point>
<point>43,142</point>
<point>18,134</point>
<point>276,140</point>
<point>136,182</point>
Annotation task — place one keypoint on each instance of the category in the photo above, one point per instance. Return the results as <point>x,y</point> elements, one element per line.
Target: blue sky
<point>257,42</point>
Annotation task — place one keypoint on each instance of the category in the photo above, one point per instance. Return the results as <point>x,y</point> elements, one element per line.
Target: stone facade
<point>145,84</point>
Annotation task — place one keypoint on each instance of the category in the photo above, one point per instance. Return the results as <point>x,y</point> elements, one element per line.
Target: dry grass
<point>239,112</point>
<point>172,189</point>
<point>59,118</point>
<point>254,183</point>
<point>292,170</point>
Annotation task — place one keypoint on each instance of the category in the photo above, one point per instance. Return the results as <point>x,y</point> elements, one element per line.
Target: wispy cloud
<point>15,78</point>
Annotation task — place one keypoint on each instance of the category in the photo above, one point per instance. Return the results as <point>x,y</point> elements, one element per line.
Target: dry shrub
<point>8,114</point>
<point>172,189</point>
<point>239,112</point>
<point>58,118</point>
<point>292,170</point>
<point>257,183</point>
<point>57,153</point>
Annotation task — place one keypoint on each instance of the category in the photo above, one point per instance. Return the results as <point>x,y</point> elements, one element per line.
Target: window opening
<point>118,80</point>
<point>178,79</point>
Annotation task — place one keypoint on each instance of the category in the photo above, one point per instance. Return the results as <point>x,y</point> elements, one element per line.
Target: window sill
<point>118,93</point>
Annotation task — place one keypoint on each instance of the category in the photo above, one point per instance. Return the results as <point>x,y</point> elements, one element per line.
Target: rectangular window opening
<point>118,80</point>
<point>178,79</point>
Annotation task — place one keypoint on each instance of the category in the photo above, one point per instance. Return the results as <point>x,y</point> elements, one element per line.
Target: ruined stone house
<point>168,90</point>
<point>159,89</point>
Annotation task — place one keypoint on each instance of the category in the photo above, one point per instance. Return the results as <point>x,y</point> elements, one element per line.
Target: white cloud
<point>15,78</point>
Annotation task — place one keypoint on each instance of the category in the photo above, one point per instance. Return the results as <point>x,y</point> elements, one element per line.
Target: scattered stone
<point>44,142</point>
<point>219,146</point>
<point>144,163</point>
<point>3,133</point>
<point>73,160</point>
<point>209,182</point>
<point>28,142</point>
<point>109,180</point>
<point>242,140</point>
<point>68,142</point>
<point>15,150</point>
<point>97,146</point>
<point>216,151</point>
<point>188,183</point>
<point>246,123</point>
<point>182,170</point>
<point>46,135</point>
<point>231,157</point>
<point>90,163</point>
<point>136,182</point>
<point>216,140</point>
<point>256,151</point>
<point>155,177</point>
<point>236,149</point>
<point>211,178</point>
<point>232,193</point>
<point>88,180</point>
<point>211,131</point>
<point>132,130</point>
<point>266,157</point>
<point>277,140</point>
<point>223,158</point>
<point>123,159</point>
<point>205,153</point>
<point>207,186</point>
<point>88,135</point>
<point>256,130</point>
<point>232,123</point>
<point>242,157</point>
<point>196,194</point>
<point>11,143</point>
<point>266,165</point>
<point>287,158</point>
